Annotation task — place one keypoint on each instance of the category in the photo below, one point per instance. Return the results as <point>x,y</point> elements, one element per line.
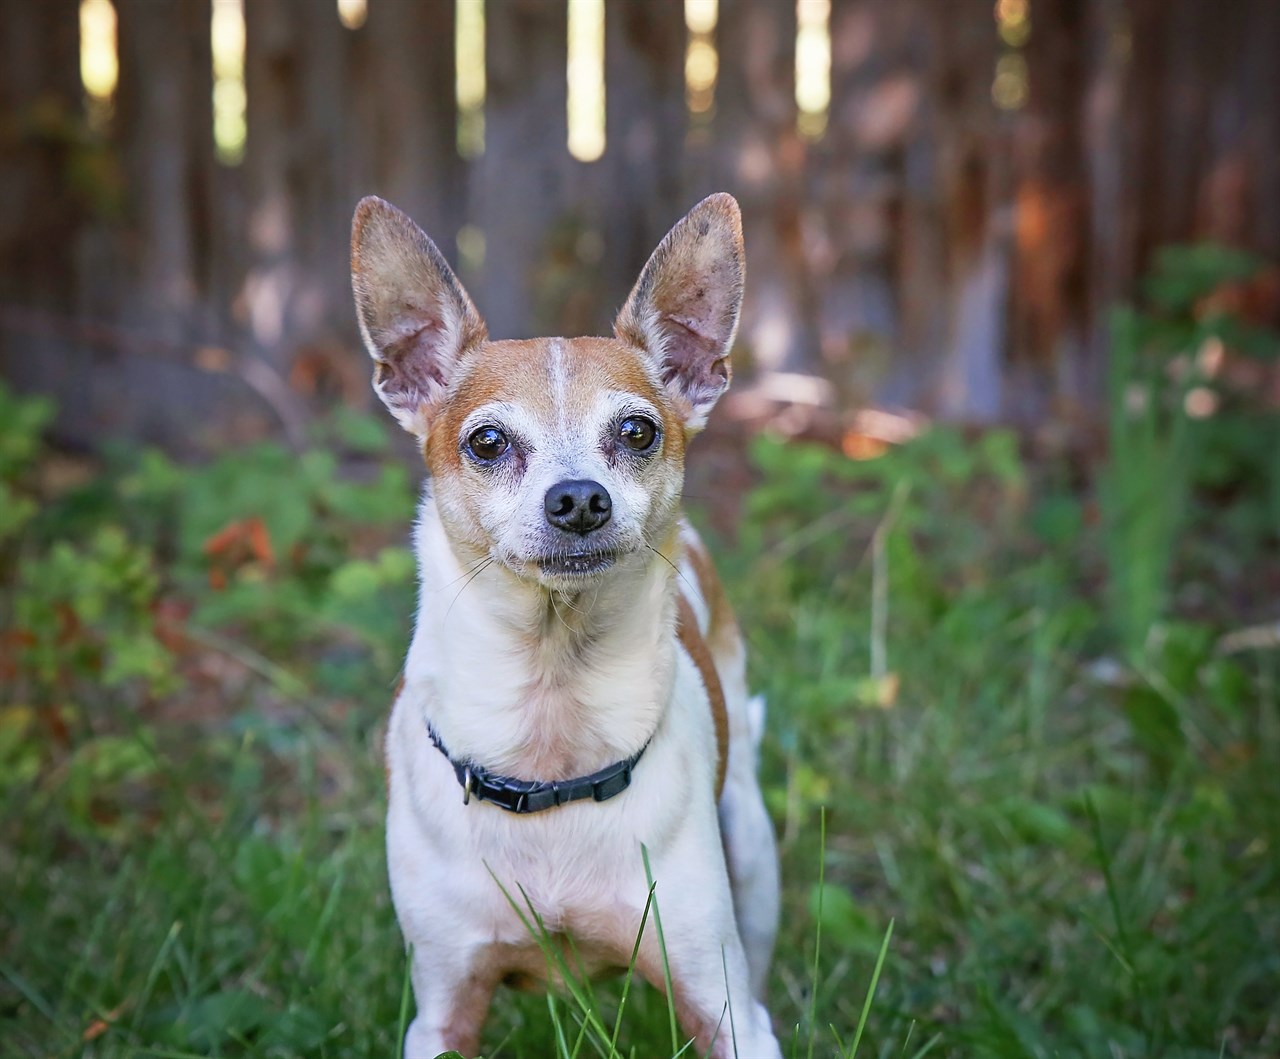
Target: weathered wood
<point>1051,314</point>
<point>973,178</point>
<point>760,158</point>
<point>41,210</point>
<point>642,173</point>
<point>157,285</point>
<point>299,202</point>
<point>521,187</point>
<point>163,132</point>
<point>930,249</point>
<point>403,116</point>
<point>882,272</point>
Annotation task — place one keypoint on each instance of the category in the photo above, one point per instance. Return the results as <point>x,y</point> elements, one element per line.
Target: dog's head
<point>557,456</point>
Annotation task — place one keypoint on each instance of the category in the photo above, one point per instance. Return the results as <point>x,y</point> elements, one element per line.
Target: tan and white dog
<point>575,692</point>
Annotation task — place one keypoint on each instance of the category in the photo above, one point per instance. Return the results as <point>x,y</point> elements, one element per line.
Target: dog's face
<point>559,457</point>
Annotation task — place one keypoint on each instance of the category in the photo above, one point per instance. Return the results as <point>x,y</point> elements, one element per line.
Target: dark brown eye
<point>637,433</point>
<point>487,444</point>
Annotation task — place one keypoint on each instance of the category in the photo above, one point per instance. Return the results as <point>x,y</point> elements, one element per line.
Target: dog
<point>573,717</point>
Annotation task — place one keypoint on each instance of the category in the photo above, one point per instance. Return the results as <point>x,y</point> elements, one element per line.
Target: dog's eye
<point>637,433</point>
<point>487,443</point>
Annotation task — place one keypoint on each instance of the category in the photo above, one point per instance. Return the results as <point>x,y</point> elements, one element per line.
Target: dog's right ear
<point>415,318</point>
<point>683,311</point>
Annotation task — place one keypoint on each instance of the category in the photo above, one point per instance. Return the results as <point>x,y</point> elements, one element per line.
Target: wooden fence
<point>932,248</point>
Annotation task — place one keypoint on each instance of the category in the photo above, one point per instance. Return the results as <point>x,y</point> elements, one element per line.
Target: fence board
<point>929,249</point>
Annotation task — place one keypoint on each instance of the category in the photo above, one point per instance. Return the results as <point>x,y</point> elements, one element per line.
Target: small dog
<point>574,697</point>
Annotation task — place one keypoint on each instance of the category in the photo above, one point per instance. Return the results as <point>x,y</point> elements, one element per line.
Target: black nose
<point>579,506</point>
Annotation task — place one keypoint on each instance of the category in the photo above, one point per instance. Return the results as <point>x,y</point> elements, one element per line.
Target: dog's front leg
<point>452,987</point>
<point>709,976</point>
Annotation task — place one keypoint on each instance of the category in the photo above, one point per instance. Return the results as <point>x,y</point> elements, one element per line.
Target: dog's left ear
<point>415,318</point>
<point>683,310</point>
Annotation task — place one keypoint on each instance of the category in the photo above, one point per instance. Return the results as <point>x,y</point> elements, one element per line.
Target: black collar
<point>533,796</point>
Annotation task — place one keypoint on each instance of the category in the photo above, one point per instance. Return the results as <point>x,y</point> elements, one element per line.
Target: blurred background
<point>996,494</point>
<point>942,198</point>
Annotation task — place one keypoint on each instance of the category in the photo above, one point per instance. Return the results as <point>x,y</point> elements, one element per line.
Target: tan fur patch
<point>692,641</point>
<point>722,634</point>
<point>501,371</point>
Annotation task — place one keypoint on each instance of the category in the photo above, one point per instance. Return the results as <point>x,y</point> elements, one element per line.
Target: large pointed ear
<point>683,310</point>
<point>415,318</point>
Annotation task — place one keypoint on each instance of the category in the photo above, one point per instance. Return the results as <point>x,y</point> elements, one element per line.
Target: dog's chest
<point>577,877</point>
<point>550,707</point>
<point>557,730</point>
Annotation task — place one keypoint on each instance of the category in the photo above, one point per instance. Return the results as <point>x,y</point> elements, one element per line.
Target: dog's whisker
<point>467,572</point>
<point>679,572</point>
<point>556,610</point>
<point>483,567</point>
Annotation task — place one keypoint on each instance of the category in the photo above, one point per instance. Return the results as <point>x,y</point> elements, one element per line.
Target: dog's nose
<point>578,506</point>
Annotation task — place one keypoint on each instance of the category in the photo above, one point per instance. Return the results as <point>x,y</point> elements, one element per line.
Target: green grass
<point>1030,848</point>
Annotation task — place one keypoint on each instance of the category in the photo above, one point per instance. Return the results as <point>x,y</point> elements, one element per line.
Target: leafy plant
<point>21,422</point>
<point>1167,431</point>
<point>1077,857</point>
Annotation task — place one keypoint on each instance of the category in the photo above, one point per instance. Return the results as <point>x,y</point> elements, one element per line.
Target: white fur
<point>490,669</point>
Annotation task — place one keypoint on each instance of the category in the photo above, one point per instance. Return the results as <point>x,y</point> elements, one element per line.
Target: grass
<point>1005,839</point>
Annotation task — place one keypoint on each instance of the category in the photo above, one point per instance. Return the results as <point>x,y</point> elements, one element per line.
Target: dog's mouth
<point>575,564</point>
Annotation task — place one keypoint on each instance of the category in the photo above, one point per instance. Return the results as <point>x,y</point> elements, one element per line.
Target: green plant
<point>1074,862</point>
<point>21,422</point>
<point>1168,432</point>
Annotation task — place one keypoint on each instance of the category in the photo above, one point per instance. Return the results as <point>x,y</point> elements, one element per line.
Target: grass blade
<point>631,970</point>
<point>662,947</point>
<point>562,1044</point>
<point>728,1002</point>
<point>403,1021</point>
<point>871,990</point>
<point>817,934</point>
<point>144,998</point>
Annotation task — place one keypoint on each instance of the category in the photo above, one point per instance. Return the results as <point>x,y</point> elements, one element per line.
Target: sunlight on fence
<point>585,68</point>
<point>702,61</point>
<point>229,98</point>
<point>352,13</point>
<point>1010,88</point>
<point>1013,20</point>
<point>813,66</point>
<point>585,75</point>
<point>99,63</point>
<point>469,80</point>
